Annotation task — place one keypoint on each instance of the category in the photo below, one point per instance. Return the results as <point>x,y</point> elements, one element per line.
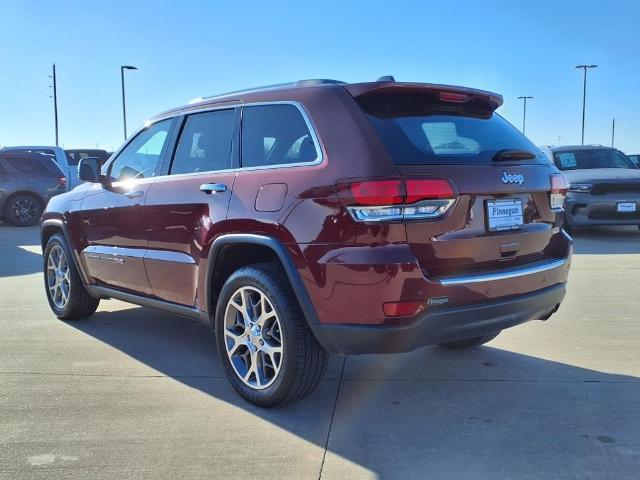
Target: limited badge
<point>437,300</point>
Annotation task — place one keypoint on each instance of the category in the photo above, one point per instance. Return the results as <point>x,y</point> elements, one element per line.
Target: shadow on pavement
<point>19,250</point>
<point>487,413</point>
<point>606,240</point>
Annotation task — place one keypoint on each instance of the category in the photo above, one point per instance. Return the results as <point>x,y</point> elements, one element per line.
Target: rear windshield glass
<point>415,130</point>
<point>597,158</point>
<point>30,164</point>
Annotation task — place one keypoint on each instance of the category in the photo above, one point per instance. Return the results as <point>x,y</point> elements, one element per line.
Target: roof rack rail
<point>310,82</point>
<point>300,83</point>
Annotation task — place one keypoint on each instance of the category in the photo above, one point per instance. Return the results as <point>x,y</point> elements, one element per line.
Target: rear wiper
<point>509,154</point>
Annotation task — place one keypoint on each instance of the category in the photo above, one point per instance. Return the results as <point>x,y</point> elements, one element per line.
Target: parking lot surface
<point>136,393</point>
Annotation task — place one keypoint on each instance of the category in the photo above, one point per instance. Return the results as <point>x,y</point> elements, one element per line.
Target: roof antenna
<point>386,78</point>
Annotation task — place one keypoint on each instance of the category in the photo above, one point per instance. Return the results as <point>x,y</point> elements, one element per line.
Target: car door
<point>113,216</point>
<point>188,205</point>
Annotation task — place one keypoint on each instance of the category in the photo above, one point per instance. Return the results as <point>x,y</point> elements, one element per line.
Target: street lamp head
<point>129,67</point>
<point>586,66</point>
<point>525,97</point>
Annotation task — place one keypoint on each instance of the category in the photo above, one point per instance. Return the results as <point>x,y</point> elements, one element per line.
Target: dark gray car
<point>604,185</point>
<point>27,182</point>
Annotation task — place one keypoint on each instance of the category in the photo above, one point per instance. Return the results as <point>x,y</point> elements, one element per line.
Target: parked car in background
<point>27,182</point>
<point>318,216</point>
<point>58,155</point>
<point>603,185</point>
<point>635,158</point>
<point>74,155</point>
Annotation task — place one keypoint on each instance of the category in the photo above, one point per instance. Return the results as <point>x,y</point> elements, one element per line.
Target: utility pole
<point>584,93</point>
<point>55,102</point>
<point>124,106</point>
<point>524,113</point>
<point>613,131</point>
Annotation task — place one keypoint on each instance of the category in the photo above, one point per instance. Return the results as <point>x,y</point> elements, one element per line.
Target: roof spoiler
<point>447,93</point>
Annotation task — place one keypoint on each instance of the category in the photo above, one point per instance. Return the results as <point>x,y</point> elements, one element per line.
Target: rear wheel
<point>66,294</point>
<point>269,353</point>
<point>469,342</point>
<point>23,210</point>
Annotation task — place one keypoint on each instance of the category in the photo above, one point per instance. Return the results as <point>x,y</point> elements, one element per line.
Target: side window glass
<point>140,157</point>
<point>275,135</point>
<point>206,143</point>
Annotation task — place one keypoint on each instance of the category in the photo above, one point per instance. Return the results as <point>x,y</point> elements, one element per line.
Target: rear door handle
<point>213,188</point>
<point>132,194</point>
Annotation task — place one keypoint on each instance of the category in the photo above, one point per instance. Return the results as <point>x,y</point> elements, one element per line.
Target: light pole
<point>524,113</point>
<point>124,106</point>
<point>584,93</point>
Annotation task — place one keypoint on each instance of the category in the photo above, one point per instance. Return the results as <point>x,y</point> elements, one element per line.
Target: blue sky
<point>192,48</point>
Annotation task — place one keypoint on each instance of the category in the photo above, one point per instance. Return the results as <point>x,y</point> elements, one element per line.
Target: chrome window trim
<point>312,131</point>
<point>505,274</point>
<point>320,157</point>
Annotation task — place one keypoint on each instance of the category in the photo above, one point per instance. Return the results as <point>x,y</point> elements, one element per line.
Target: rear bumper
<point>586,210</point>
<point>439,325</point>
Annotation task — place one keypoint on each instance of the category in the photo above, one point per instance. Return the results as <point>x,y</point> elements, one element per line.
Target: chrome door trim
<point>119,254</point>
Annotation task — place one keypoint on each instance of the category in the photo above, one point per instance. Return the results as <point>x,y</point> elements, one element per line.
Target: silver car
<point>603,185</point>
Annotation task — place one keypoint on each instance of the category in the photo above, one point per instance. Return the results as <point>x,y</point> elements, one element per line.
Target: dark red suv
<point>318,217</point>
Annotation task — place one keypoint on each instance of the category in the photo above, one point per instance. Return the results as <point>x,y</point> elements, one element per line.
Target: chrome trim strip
<point>116,254</point>
<point>97,251</point>
<point>169,256</point>
<point>505,274</point>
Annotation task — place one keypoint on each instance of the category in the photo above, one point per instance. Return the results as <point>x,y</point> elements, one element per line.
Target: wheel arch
<point>52,226</point>
<point>255,248</point>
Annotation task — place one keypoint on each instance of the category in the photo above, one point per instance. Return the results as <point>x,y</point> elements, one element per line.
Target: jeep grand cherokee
<point>316,217</point>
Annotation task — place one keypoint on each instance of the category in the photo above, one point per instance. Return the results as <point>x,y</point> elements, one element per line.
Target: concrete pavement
<point>135,393</point>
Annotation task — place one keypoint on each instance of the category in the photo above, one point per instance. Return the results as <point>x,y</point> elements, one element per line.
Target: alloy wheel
<point>253,337</point>
<point>58,277</point>
<point>24,211</point>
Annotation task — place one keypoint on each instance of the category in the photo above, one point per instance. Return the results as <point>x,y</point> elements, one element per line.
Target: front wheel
<point>469,342</point>
<point>270,355</point>
<point>65,291</point>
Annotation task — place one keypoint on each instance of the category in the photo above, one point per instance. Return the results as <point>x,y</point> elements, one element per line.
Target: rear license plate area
<point>504,214</point>
<point>626,207</point>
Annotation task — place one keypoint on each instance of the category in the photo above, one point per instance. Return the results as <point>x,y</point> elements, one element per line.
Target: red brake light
<point>397,199</point>
<point>453,97</point>
<point>378,192</point>
<point>558,184</point>
<point>428,189</point>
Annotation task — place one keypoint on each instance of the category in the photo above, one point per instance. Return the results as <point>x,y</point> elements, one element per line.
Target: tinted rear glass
<point>29,164</point>
<point>416,131</point>
<point>586,159</point>
<point>275,135</point>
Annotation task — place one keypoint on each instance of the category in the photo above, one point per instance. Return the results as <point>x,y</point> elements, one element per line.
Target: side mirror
<point>89,170</point>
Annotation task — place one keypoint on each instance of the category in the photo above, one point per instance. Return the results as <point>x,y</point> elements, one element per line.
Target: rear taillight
<point>393,200</point>
<point>62,181</point>
<point>558,191</point>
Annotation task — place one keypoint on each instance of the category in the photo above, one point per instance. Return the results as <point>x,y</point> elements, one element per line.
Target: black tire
<point>79,304</point>
<point>469,342</point>
<point>23,210</point>
<point>303,360</point>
